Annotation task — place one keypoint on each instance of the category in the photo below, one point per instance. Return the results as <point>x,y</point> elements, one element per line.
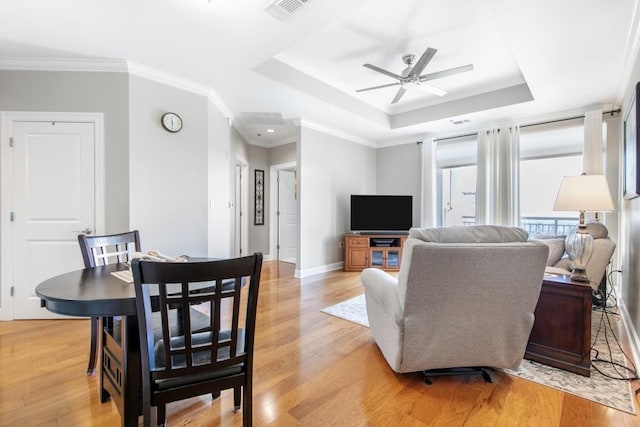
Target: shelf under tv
<point>380,233</point>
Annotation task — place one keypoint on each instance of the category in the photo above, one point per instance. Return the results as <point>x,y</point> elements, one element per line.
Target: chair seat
<point>201,358</point>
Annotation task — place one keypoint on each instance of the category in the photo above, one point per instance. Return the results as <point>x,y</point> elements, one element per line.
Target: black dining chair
<point>103,250</point>
<point>188,363</point>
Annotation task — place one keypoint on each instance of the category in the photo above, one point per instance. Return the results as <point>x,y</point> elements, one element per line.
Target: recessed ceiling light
<point>271,130</point>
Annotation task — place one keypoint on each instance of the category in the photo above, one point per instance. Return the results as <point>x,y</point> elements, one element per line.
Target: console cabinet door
<point>378,258</point>
<point>358,258</point>
<point>393,259</point>
<point>386,258</point>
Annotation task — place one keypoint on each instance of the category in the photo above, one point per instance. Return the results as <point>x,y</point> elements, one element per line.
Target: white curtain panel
<point>498,171</point>
<point>593,143</point>
<point>428,208</point>
<point>592,157</point>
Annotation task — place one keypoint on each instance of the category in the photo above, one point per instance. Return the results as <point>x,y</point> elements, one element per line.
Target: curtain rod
<point>612,112</point>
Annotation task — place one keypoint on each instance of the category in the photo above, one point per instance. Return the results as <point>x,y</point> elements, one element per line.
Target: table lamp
<point>583,193</point>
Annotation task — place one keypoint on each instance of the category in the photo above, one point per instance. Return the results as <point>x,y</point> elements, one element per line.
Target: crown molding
<point>632,47</point>
<point>270,144</point>
<point>169,79</point>
<point>64,64</point>
<point>217,101</point>
<point>333,132</point>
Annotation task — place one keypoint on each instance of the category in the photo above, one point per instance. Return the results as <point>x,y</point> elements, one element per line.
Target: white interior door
<point>53,188</point>
<point>287,217</point>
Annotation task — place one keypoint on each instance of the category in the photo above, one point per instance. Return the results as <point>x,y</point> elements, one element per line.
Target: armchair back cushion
<point>475,234</point>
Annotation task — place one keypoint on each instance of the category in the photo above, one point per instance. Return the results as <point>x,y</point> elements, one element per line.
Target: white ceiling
<point>531,59</point>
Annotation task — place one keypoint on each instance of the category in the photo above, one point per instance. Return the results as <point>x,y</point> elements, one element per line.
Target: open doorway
<point>284,209</point>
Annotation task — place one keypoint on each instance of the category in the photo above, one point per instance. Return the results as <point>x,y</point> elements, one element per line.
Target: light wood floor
<point>311,369</point>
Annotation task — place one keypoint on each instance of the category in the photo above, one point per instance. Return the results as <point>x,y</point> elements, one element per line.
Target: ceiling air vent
<point>282,9</point>
<point>459,122</point>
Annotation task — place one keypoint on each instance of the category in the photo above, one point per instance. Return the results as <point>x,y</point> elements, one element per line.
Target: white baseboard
<point>301,274</point>
<point>632,334</point>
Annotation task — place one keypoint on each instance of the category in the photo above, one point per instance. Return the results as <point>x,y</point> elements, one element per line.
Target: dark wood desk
<point>95,292</point>
<point>561,334</point>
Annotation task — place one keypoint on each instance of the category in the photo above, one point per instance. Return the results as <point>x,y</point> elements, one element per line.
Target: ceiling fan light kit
<point>411,77</point>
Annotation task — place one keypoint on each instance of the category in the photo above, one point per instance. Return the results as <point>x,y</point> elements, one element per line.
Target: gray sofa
<point>464,297</point>
<point>558,261</point>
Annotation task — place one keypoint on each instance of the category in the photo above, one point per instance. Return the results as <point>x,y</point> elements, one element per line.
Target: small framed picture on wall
<point>259,198</point>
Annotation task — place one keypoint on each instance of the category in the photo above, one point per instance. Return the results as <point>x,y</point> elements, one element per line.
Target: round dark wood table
<point>95,292</point>
<point>90,292</point>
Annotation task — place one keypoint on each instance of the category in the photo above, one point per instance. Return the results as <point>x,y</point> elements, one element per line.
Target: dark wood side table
<point>561,334</point>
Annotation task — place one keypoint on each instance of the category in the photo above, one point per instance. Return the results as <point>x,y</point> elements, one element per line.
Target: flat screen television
<point>378,213</point>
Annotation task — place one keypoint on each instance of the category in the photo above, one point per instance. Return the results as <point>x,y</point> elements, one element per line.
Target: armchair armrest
<point>382,288</point>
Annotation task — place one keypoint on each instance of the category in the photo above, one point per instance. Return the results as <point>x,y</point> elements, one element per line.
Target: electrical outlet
<point>341,244</point>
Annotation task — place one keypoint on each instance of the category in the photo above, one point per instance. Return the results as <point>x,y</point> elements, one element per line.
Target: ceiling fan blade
<point>432,89</point>
<point>396,98</point>
<point>378,87</point>
<point>426,57</point>
<point>446,73</point>
<point>383,71</point>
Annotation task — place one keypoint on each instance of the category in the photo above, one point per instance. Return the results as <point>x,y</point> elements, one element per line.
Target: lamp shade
<point>587,193</point>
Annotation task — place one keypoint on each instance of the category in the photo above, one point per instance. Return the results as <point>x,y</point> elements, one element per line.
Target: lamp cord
<point>623,372</point>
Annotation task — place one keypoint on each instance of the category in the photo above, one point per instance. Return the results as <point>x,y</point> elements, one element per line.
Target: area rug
<point>598,388</point>
<point>353,310</point>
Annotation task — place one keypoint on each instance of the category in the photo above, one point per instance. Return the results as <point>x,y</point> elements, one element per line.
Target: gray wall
<point>282,154</point>
<point>90,92</point>
<point>259,234</point>
<point>629,245</point>
<point>399,171</point>
<point>169,171</point>
<point>263,158</point>
<point>330,169</point>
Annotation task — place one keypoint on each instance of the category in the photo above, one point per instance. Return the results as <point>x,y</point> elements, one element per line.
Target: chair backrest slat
<point>219,287</point>
<point>103,250</point>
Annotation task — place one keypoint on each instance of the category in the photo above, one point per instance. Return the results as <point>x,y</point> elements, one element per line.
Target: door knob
<point>85,231</point>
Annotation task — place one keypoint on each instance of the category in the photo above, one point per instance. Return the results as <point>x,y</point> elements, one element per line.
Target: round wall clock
<point>171,122</point>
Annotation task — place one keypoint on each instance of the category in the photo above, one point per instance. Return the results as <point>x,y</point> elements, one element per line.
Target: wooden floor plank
<point>311,369</point>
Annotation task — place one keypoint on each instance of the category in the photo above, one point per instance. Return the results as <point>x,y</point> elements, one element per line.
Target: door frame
<point>273,203</point>
<point>7,118</point>
<point>241,204</point>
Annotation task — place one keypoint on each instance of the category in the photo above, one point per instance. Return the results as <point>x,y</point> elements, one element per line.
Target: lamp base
<point>579,275</point>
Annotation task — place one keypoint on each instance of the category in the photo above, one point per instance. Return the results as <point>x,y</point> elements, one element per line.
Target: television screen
<point>381,213</point>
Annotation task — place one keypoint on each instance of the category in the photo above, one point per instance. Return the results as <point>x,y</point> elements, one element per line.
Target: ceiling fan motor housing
<point>409,59</point>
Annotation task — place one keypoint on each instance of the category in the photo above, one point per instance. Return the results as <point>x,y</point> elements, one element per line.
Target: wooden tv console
<point>373,250</point>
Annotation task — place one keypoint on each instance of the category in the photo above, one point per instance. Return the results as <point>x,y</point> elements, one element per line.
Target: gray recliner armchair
<point>464,297</point>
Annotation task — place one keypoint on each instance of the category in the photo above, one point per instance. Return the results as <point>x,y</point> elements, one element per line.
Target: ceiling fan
<point>411,75</point>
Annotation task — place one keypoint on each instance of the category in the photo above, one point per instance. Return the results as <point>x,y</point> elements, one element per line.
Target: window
<point>456,181</point>
<point>547,154</point>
